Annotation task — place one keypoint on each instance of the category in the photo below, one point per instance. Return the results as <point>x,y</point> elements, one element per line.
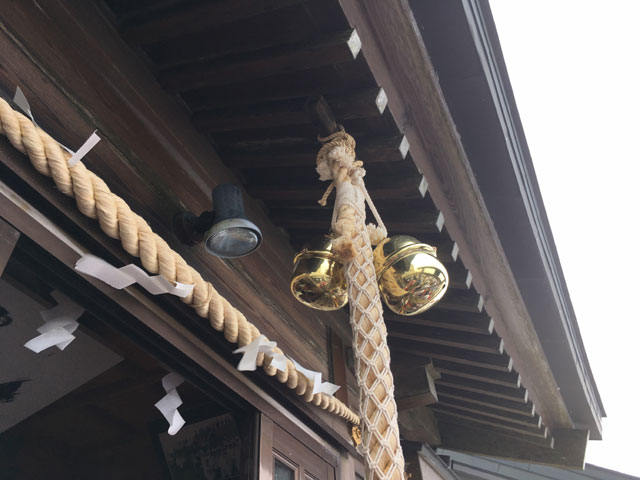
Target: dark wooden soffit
<point>396,53</point>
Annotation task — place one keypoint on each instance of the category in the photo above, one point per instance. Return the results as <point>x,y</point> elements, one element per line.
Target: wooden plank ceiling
<point>244,69</point>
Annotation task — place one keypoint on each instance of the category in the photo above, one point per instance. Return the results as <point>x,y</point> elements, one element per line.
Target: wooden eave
<point>463,45</point>
<point>204,93</point>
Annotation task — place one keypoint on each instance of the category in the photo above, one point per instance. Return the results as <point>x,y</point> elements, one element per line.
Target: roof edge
<point>487,43</point>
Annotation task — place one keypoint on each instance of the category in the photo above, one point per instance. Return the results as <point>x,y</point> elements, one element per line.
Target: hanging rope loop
<point>336,161</point>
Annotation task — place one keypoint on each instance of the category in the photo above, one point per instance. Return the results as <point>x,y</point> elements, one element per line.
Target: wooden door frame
<point>269,450</point>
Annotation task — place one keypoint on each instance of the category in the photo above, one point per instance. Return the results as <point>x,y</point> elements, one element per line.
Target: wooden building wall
<point>78,77</point>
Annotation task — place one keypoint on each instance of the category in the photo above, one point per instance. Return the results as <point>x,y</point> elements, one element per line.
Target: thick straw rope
<point>95,200</point>
<point>380,435</point>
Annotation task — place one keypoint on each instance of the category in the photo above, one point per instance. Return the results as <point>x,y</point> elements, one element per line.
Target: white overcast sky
<point>575,70</point>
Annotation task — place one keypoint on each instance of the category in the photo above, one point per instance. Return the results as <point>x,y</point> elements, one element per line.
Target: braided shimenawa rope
<point>380,434</point>
<point>95,200</point>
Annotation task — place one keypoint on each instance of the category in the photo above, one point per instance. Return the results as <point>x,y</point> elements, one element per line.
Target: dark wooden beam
<point>438,336</point>
<point>479,323</point>
<point>414,386</point>
<point>372,150</point>
<point>367,103</point>
<point>399,188</point>
<point>466,300</point>
<point>541,433</point>
<point>485,361</point>
<point>458,274</point>
<point>519,408</point>
<point>568,450</point>
<point>446,249</point>
<point>326,50</point>
<point>167,24</point>
<point>321,116</point>
<point>237,118</point>
<point>338,370</point>
<point>299,236</point>
<point>319,80</point>
<point>464,406</point>
<point>8,238</point>
<point>419,425</point>
<point>319,220</point>
<point>484,387</point>
<point>289,25</point>
<point>481,373</point>
<point>364,104</point>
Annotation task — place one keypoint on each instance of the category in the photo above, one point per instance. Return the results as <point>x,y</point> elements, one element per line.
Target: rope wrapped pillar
<point>379,417</point>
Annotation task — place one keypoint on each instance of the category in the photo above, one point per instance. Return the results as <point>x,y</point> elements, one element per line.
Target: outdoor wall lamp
<point>225,231</point>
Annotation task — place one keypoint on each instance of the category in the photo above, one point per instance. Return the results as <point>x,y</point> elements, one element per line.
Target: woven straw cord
<point>95,200</point>
<point>380,435</point>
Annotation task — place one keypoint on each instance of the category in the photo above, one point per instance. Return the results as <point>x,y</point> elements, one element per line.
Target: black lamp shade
<point>232,234</point>
<point>226,231</point>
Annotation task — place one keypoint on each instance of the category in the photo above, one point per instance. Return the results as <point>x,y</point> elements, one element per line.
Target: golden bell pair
<point>410,276</point>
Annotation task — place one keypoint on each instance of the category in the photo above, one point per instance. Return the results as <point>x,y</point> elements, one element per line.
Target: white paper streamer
<point>21,101</point>
<point>60,323</point>
<point>250,353</point>
<point>168,405</point>
<point>84,149</point>
<point>316,377</point>
<point>279,361</point>
<point>120,278</point>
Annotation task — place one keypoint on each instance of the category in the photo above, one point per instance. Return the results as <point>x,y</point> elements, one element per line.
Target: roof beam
<point>325,50</point>
<point>489,364</point>
<point>569,446</point>
<point>448,392</point>
<point>171,23</point>
<point>372,150</point>
<point>319,80</point>
<point>430,335</point>
<point>536,434</point>
<point>465,406</point>
<point>484,387</point>
<point>363,104</point>
<point>479,323</point>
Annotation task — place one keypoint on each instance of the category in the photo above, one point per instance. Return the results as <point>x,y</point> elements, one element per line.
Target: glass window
<point>282,471</point>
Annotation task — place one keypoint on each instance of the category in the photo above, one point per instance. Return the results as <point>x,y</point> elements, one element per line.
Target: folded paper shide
<point>60,323</point>
<point>168,405</point>
<point>316,378</point>
<point>21,101</point>
<point>123,277</point>
<point>251,351</point>
<point>262,345</point>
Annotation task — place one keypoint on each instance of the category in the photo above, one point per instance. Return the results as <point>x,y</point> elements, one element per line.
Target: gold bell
<point>410,277</point>
<point>318,279</point>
